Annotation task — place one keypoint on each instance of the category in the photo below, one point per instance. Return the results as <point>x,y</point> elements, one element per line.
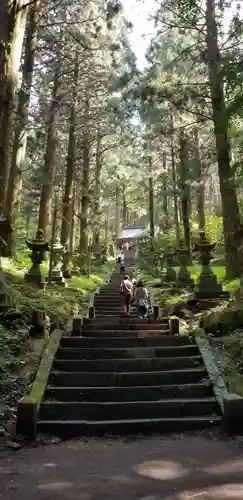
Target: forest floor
<point>19,353</point>
<point>205,466</point>
<point>227,347</point>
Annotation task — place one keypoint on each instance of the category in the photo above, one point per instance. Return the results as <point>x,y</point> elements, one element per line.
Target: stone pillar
<point>207,286</point>
<point>184,277</point>
<point>170,275</point>
<point>66,258</point>
<point>57,259</point>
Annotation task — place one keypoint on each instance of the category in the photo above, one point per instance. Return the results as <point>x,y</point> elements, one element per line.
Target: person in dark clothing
<point>141,300</point>
<point>122,262</point>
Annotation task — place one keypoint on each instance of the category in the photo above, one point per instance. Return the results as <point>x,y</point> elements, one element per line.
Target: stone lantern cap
<point>39,243</point>
<point>203,244</point>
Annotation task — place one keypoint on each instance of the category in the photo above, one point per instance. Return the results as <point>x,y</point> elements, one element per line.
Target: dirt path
<point>156,468</point>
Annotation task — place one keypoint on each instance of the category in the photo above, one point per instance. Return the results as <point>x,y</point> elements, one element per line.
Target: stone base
<point>57,277</point>
<point>189,282</point>
<point>76,272</point>
<point>35,279</point>
<point>208,287</point>
<point>66,273</point>
<point>170,275</point>
<point>211,294</point>
<point>184,277</point>
<point>207,303</point>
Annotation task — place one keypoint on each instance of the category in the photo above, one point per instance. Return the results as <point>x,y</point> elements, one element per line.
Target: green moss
<point>55,301</point>
<point>213,369</point>
<point>41,379</point>
<point>226,320</point>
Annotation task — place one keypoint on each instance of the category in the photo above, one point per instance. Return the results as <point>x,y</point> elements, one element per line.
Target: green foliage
<point>214,230</point>
<point>56,301</point>
<point>18,359</point>
<point>152,259</point>
<point>12,346</point>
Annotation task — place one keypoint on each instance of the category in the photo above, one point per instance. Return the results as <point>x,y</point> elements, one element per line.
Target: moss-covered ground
<point>20,354</point>
<point>226,318</point>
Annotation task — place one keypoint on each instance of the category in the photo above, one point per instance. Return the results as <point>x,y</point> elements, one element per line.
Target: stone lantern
<point>66,257</point>
<point>207,286</point>
<point>57,260</point>
<point>39,246</point>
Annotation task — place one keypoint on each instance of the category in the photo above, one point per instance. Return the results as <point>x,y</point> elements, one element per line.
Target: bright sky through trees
<point>139,12</point>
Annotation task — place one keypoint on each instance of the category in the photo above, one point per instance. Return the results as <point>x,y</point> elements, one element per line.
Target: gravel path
<point>155,468</point>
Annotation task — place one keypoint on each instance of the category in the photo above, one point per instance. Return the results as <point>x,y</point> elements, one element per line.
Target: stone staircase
<point>126,375</point>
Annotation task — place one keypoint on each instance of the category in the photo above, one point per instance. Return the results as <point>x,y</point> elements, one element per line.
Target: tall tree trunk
<point>231,220</point>
<point>98,166</point>
<point>83,242</point>
<point>106,231</point>
<point>174,183</point>
<point>124,206</point>
<point>72,228</point>
<point>164,196</point>
<point>200,186</point>
<point>118,211</point>
<point>68,190</point>
<point>13,16</point>
<point>49,169</point>
<point>151,202</point>
<point>14,186</point>
<point>185,191</point>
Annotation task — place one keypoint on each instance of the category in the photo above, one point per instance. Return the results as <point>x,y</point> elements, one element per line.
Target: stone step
<point>126,365</point>
<point>114,303</point>
<point>133,393</point>
<point>104,295</point>
<point>97,326</point>
<point>115,309</point>
<point>116,312</point>
<point>109,289</point>
<point>123,333</point>
<point>99,379</point>
<point>70,428</point>
<point>123,342</point>
<point>53,410</point>
<point>113,292</point>
<point>110,305</point>
<point>129,352</point>
<point>117,318</point>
